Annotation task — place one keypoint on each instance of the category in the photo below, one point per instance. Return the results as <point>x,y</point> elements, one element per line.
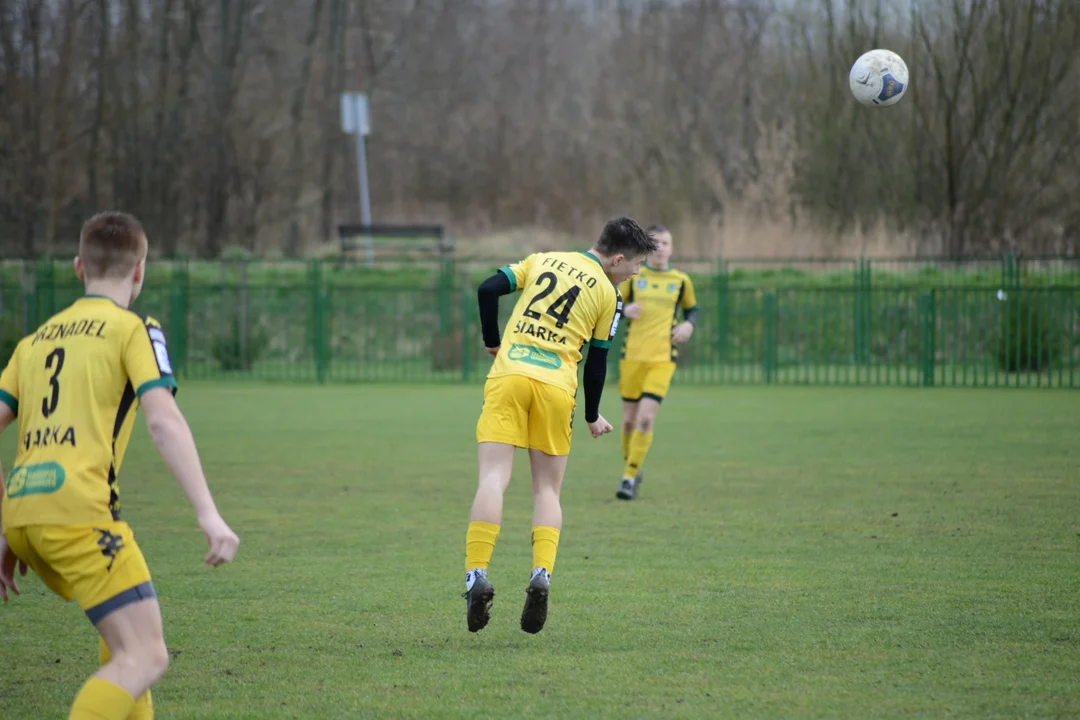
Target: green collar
<point>593,258</point>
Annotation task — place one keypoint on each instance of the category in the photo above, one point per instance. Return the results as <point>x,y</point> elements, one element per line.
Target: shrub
<point>10,334</point>
<point>238,345</point>
<point>1028,334</point>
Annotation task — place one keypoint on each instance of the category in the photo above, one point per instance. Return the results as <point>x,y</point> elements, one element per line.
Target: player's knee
<point>628,426</point>
<point>143,665</point>
<point>155,660</point>
<point>546,489</point>
<point>645,424</point>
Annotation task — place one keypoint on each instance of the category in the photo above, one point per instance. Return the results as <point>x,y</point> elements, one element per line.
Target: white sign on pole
<point>354,114</point>
<point>355,121</point>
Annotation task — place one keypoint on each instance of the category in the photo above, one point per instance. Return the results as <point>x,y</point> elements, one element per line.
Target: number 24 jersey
<point>567,300</point>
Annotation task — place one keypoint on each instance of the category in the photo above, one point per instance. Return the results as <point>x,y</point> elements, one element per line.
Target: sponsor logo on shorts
<point>534,356</point>
<point>110,545</point>
<point>35,480</point>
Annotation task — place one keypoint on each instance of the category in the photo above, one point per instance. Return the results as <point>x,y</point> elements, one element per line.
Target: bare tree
<point>218,121</point>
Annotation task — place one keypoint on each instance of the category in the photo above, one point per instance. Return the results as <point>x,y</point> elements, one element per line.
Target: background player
<point>567,299</point>
<point>650,350</point>
<point>75,386</point>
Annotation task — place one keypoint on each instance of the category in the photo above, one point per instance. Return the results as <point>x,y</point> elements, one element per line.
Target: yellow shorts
<point>99,565</point>
<point>644,379</point>
<point>526,413</point>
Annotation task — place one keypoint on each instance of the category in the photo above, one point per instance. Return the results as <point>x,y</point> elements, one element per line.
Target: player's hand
<point>493,351</point>
<point>599,427</point>
<point>8,562</point>
<point>632,311</point>
<point>682,332</point>
<point>222,540</point>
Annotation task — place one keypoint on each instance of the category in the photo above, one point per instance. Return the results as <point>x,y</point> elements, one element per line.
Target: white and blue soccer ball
<point>879,78</point>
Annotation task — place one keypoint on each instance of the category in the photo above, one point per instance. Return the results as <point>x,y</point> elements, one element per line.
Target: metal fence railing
<point>926,322</point>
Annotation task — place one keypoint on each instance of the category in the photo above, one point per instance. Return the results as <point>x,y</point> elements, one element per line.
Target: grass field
<point>796,552</point>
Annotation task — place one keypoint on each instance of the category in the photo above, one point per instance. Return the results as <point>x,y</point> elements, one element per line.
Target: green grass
<point>796,552</point>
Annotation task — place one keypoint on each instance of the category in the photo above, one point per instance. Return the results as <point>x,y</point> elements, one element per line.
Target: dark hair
<point>623,236</point>
<point>111,244</point>
<point>655,230</point>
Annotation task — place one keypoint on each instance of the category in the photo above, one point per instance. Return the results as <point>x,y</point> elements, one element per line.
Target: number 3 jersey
<point>74,386</point>
<point>566,301</point>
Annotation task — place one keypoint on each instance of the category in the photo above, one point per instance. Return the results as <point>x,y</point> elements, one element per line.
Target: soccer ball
<point>879,78</point>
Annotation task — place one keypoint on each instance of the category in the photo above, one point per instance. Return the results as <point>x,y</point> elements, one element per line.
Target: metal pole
<point>365,199</point>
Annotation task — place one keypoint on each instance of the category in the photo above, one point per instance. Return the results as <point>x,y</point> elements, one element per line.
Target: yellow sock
<point>545,543</point>
<point>626,444</point>
<point>480,544</point>
<point>143,709</point>
<point>144,706</point>
<point>101,700</point>
<point>639,448</point>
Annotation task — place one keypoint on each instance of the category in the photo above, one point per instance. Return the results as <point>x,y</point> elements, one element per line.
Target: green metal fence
<point>1006,322</point>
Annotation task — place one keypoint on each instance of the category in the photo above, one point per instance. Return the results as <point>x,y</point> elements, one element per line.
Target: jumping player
<point>650,350</point>
<point>75,386</point>
<point>568,300</point>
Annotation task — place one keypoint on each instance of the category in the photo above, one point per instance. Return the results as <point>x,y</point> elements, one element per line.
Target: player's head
<point>661,256</point>
<point>112,248</point>
<point>623,246</point>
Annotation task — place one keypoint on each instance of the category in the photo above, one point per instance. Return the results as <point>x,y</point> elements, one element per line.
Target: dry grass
<point>740,235</point>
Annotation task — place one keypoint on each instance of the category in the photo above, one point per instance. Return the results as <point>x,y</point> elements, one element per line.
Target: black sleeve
<point>592,379</point>
<point>690,315</point>
<point>487,296</point>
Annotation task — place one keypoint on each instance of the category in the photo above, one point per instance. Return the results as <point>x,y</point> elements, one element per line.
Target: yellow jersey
<point>567,300</point>
<point>660,293</point>
<point>74,386</point>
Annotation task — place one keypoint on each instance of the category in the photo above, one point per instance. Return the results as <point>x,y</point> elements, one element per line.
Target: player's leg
<point>640,441</point>
<point>496,461</point>
<point>547,476</point>
<point>631,381</point>
<point>65,546</point>
<point>654,388</point>
<point>550,427</point>
<point>502,428</point>
<point>103,567</point>
<point>629,415</point>
<point>137,659</point>
<point>144,704</point>
<point>20,541</point>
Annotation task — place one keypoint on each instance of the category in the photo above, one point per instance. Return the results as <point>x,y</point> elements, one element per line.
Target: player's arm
<point>504,281</point>
<point>630,308</point>
<point>9,408</point>
<point>688,301</point>
<point>9,400</point>
<point>595,371</point>
<point>176,445</point>
<point>487,297</point>
<point>6,416</point>
<point>9,388</point>
<point>147,363</point>
<point>8,559</point>
<point>593,376</point>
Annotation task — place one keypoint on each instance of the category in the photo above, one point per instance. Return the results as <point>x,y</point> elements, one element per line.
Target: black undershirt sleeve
<point>690,315</point>
<point>487,296</point>
<point>592,380</point>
